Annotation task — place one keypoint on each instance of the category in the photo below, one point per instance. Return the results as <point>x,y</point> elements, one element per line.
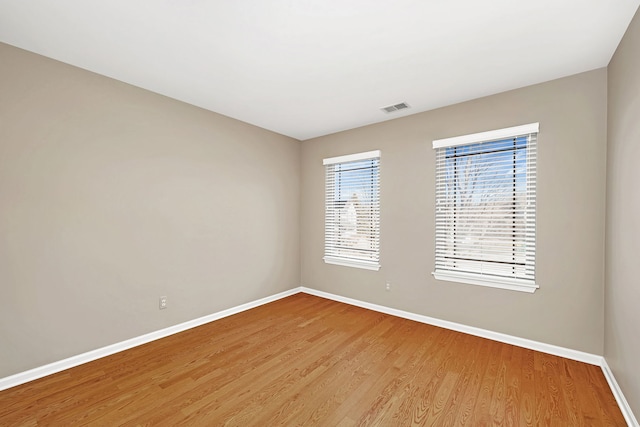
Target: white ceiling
<point>306,68</point>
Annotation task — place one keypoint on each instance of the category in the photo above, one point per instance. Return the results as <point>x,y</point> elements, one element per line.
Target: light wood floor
<point>305,360</point>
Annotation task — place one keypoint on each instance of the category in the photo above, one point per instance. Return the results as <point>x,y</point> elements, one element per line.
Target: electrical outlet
<point>163,302</point>
<point>388,287</point>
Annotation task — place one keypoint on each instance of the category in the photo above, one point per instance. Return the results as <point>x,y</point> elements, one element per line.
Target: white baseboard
<point>580,356</point>
<point>617,393</point>
<point>52,368</point>
<point>61,365</point>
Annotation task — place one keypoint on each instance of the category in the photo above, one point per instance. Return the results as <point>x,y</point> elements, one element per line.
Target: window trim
<point>492,282</point>
<point>343,261</point>
<point>352,157</point>
<point>491,135</point>
<point>514,284</point>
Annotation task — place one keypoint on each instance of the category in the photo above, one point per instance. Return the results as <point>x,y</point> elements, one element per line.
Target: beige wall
<point>567,310</point>
<point>622,284</point>
<point>112,196</point>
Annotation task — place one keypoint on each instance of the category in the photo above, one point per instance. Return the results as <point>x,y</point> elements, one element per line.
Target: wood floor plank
<point>482,408</point>
<point>305,360</point>
<point>480,360</point>
<point>498,406</point>
<point>527,388</point>
<point>465,368</point>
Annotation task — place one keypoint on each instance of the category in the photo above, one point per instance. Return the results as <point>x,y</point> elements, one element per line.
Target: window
<point>352,210</point>
<point>485,208</point>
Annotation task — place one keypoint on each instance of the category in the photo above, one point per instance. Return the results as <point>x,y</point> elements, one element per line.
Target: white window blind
<point>486,208</point>
<point>352,210</point>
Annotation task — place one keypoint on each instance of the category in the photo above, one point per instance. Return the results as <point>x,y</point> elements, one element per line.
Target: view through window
<point>485,209</point>
<point>352,210</point>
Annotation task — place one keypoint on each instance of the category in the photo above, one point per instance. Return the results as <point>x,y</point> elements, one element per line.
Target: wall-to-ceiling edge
<point>567,309</point>
<point>113,196</point>
<point>59,93</point>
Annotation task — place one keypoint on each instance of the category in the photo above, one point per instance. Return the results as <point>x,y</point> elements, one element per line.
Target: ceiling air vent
<point>395,107</point>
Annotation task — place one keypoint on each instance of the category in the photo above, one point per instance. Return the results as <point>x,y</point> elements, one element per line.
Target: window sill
<point>367,265</point>
<point>492,282</point>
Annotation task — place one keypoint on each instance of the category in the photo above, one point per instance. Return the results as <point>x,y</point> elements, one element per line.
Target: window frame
<point>330,251</point>
<point>486,279</point>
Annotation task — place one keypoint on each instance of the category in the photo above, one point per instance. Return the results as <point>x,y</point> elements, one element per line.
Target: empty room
<point>285,213</point>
